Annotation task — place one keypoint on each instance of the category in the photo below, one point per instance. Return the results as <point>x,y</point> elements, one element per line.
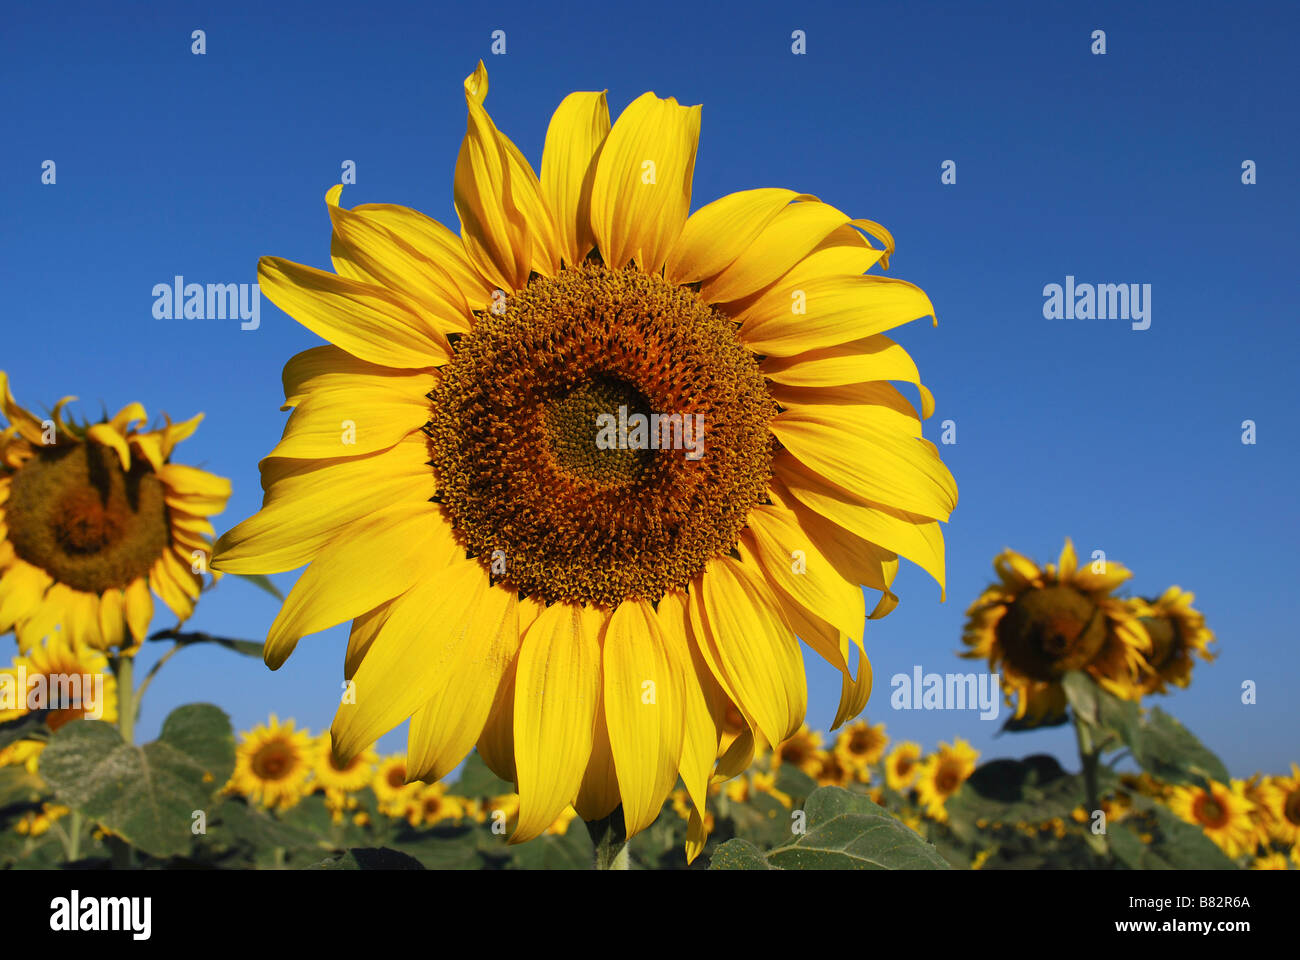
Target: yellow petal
<point>174,433</point>
<point>370,252</point>
<point>717,233</point>
<point>194,490</point>
<point>750,648</point>
<point>28,426</point>
<point>871,358</point>
<point>150,448</point>
<point>444,730</point>
<point>112,619</point>
<point>641,193</point>
<point>139,608</point>
<point>22,588</point>
<point>644,709</point>
<point>370,561</point>
<point>349,413</point>
<point>557,686</point>
<point>854,691</point>
<point>368,321</point>
<point>106,436</point>
<point>507,228</point>
<point>573,140</point>
<point>496,744</point>
<point>705,704</point>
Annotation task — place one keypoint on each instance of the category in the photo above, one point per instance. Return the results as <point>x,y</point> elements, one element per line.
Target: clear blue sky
<point>1122,168</point>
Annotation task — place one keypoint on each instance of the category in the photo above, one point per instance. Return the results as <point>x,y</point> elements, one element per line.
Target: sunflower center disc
<point>1210,812</point>
<point>1291,808</point>
<point>77,515</point>
<point>273,762</point>
<point>1050,631</point>
<point>1164,640</point>
<point>606,433</point>
<point>946,781</point>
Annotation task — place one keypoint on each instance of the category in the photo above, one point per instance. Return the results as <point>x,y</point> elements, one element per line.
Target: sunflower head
<point>941,775</point>
<point>1221,810</point>
<point>1038,623</point>
<point>94,517</point>
<point>273,764</point>
<point>609,464</point>
<point>331,775</point>
<point>860,744</point>
<point>901,766</point>
<point>1178,635</point>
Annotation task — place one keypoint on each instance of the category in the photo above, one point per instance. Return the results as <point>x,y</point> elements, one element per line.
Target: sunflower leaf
<point>369,858</point>
<point>1167,750</point>
<point>854,841</point>
<point>738,854</point>
<point>146,795</point>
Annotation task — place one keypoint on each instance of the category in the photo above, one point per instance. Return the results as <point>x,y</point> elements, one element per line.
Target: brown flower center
<point>1051,630</point>
<point>274,761</point>
<point>77,515</point>
<point>1291,807</point>
<point>947,780</point>
<point>1208,811</point>
<point>602,438</point>
<point>1165,640</point>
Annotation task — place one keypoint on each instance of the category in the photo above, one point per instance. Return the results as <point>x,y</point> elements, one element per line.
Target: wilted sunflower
<point>1222,811</point>
<point>92,516</point>
<point>901,765</point>
<point>69,679</point>
<point>582,600</point>
<point>1037,624</point>
<point>942,774</point>
<point>273,764</point>
<point>1177,631</point>
<point>329,776</point>
<point>859,745</point>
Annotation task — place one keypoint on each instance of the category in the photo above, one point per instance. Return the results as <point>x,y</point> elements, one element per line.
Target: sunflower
<point>942,774</point>
<point>1270,861</point>
<point>68,679</point>
<point>273,764</point>
<point>1223,812</point>
<point>1037,624</point>
<point>1282,795</point>
<point>832,771</point>
<point>606,462</point>
<point>901,765</point>
<point>354,776</point>
<point>430,804</point>
<point>93,516</point>
<point>391,787</point>
<point>799,751</point>
<point>859,745</point>
<point>1177,632</point>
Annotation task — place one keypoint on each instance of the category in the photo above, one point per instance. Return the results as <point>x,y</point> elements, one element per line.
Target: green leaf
<point>738,854</point>
<point>1033,789</point>
<point>235,822</point>
<point>1169,751</point>
<point>19,786</point>
<point>30,726</point>
<point>476,780</point>
<point>262,582</point>
<point>370,858</point>
<point>249,648</point>
<point>794,782</point>
<point>146,795</point>
<point>571,850</point>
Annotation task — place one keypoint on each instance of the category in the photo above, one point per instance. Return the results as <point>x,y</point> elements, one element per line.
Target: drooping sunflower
<point>901,765</point>
<point>328,776</point>
<point>273,764</point>
<point>69,679</point>
<point>599,447</point>
<point>941,775</point>
<point>1038,623</point>
<point>859,745</point>
<point>1222,811</point>
<point>1282,794</point>
<point>1178,634</point>
<point>94,516</point>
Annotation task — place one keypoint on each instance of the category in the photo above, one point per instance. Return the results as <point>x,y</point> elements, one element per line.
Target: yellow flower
<point>651,473</point>
<point>766,783</point>
<point>860,744</point>
<point>36,823</point>
<point>901,765</point>
<point>390,786</point>
<point>1223,812</point>
<point>832,771</point>
<point>1036,624</point>
<point>355,775</point>
<point>942,774</point>
<point>1177,632</point>
<point>430,804</point>
<point>1282,796</point>
<point>93,516</point>
<point>560,825</point>
<point>66,678</point>
<point>800,750</point>
<point>1270,861</point>
<point>273,763</point>
<point>981,858</point>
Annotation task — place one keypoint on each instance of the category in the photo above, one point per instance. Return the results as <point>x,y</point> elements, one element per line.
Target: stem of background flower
<point>74,836</point>
<point>124,668</point>
<point>609,836</point>
<point>1090,759</point>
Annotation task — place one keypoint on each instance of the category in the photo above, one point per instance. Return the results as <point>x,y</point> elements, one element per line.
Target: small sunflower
<point>1036,624</point>
<point>1270,861</point>
<point>942,774</point>
<point>430,804</point>
<point>832,771</point>
<point>93,516</point>
<point>1282,795</point>
<point>1222,811</point>
<point>353,776</point>
<point>859,745</point>
<point>1178,634</point>
<point>273,764</point>
<point>516,569</point>
<point>391,787</point>
<point>902,765</point>
<point>799,751</point>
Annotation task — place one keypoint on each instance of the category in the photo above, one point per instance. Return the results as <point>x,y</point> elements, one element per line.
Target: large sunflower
<point>92,516</point>
<point>579,599</point>
<point>1038,623</point>
<point>1178,633</point>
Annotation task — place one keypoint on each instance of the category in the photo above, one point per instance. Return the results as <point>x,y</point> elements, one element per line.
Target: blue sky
<point>1121,168</point>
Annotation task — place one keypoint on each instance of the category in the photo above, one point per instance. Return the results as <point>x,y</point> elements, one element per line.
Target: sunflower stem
<point>124,668</point>
<point>609,836</point>
<point>1090,759</point>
